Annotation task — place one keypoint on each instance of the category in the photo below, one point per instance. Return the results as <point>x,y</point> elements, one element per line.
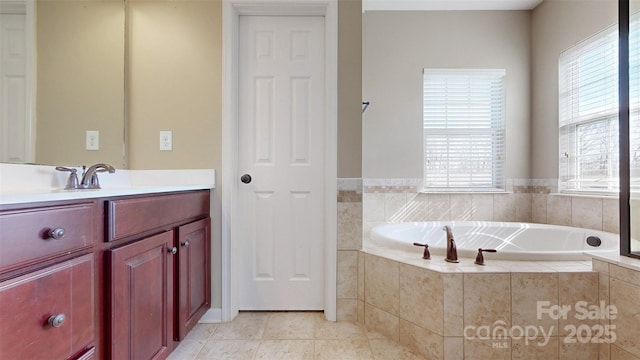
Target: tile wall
<point>349,243</point>
<point>620,286</point>
<point>526,200</point>
<point>439,313</point>
<point>429,310</point>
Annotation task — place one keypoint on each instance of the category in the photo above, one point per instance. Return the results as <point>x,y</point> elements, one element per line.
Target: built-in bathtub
<point>436,308</point>
<point>513,241</point>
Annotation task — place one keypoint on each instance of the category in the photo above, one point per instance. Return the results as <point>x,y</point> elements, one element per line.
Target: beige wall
<point>556,26</point>
<point>175,82</point>
<point>80,81</point>
<point>349,89</point>
<point>396,48</point>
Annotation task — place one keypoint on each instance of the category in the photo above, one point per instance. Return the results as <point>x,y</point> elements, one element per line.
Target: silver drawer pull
<point>173,250</point>
<point>57,233</point>
<point>56,321</point>
<point>185,244</point>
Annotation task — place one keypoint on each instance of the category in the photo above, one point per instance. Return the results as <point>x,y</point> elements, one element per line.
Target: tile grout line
<point>205,342</point>
<point>346,341</point>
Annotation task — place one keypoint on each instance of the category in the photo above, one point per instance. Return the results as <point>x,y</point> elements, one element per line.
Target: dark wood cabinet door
<point>141,299</point>
<point>194,269</point>
<point>62,293</point>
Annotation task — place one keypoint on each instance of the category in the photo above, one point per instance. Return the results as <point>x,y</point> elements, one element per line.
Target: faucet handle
<point>94,182</point>
<point>480,257</point>
<point>426,255</point>
<point>72,182</point>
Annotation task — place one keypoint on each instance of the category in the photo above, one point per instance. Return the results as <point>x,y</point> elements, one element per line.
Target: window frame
<point>624,113</point>
<point>495,134</point>
<point>571,179</point>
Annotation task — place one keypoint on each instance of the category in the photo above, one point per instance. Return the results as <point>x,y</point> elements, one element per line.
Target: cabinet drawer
<point>28,302</point>
<point>129,217</point>
<point>26,234</point>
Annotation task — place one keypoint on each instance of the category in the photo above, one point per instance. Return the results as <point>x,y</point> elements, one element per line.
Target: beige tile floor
<point>287,335</point>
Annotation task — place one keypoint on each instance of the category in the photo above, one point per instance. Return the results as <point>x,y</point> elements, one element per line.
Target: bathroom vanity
<point>103,277</point>
<point>48,297</point>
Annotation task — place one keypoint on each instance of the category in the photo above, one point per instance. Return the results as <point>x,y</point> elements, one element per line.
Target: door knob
<point>246,178</point>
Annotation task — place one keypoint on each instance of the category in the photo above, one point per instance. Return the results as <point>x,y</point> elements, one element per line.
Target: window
<point>464,129</point>
<point>588,113</point>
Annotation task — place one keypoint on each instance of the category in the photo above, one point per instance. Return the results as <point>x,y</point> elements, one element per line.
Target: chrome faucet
<point>452,252</point>
<point>90,176</point>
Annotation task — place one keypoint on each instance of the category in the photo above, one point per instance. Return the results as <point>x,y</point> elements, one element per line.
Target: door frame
<point>231,12</point>
<point>27,7</point>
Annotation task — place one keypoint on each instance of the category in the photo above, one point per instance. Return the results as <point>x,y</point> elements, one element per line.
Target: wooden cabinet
<point>159,272</point>
<point>47,292</point>
<point>33,235</point>
<point>193,275</point>
<point>141,298</point>
<point>107,278</point>
<point>48,313</point>
<point>131,217</point>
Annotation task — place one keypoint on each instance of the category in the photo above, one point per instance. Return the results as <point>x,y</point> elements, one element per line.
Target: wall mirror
<point>63,71</point>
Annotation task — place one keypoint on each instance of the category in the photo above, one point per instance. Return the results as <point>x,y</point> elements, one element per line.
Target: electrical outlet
<point>166,143</point>
<point>93,140</point>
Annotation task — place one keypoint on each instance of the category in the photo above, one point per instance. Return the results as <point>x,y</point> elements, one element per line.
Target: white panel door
<point>281,127</point>
<point>15,124</point>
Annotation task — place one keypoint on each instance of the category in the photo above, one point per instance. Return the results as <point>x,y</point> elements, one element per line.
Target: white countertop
<point>36,183</point>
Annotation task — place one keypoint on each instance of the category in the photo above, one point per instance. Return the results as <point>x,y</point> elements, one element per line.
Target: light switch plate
<point>166,142</point>
<point>93,140</point>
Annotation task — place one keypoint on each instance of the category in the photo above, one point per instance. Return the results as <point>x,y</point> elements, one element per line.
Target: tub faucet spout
<point>452,252</point>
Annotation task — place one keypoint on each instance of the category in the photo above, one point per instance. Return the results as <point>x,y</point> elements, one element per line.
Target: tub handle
<point>480,257</point>
<point>426,254</point>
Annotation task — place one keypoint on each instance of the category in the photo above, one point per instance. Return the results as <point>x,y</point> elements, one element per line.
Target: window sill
<point>588,194</point>
<point>465,191</point>
<point>612,195</point>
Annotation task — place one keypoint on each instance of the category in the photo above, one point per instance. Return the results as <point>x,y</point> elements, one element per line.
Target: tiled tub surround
<point>619,284</point>
<point>526,200</point>
<point>349,243</point>
<point>427,305</point>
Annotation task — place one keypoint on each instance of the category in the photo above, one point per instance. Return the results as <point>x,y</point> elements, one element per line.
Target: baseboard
<point>212,316</point>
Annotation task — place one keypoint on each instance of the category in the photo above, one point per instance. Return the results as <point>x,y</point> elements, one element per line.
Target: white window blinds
<point>464,129</point>
<point>588,112</point>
